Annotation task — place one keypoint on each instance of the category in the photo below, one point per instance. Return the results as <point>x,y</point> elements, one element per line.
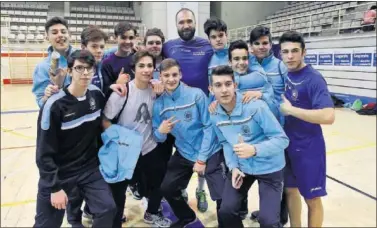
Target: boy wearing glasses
<point>117,65</point>
<point>69,168</point>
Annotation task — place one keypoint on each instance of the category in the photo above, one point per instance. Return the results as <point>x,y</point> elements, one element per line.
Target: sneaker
<point>201,198</point>
<point>254,216</point>
<point>156,219</point>
<point>243,214</point>
<point>87,216</point>
<point>184,195</point>
<point>135,192</point>
<point>244,209</point>
<point>124,219</point>
<point>145,201</point>
<point>182,222</point>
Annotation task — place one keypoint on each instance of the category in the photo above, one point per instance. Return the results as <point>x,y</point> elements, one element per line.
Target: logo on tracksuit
<point>188,116</point>
<point>246,130</point>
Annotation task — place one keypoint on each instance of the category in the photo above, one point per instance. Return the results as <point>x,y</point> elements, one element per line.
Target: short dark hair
<point>123,27</point>
<point>222,70</point>
<point>258,32</point>
<point>140,54</point>
<point>168,63</point>
<point>184,9</point>
<point>238,44</point>
<point>216,24</point>
<point>81,55</point>
<point>54,21</point>
<point>92,33</point>
<point>154,32</point>
<point>373,7</point>
<point>294,37</point>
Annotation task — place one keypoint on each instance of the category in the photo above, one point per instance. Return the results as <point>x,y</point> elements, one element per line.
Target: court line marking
<point>11,204</point>
<point>352,188</point>
<point>342,150</point>
<point>19,111</point>
<point>5,130</point>
<point>17,147</point>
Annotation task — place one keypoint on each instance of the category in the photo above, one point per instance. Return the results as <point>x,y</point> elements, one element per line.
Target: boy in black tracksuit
<point>69,125</point>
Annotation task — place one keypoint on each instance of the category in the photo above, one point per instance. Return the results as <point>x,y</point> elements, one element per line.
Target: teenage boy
<point>306,104</point>
<point>253,143</point>
<point>182,111</point>
<point>69,126</point>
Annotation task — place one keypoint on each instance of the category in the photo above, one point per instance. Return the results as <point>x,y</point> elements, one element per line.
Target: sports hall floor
<point>351,169</point>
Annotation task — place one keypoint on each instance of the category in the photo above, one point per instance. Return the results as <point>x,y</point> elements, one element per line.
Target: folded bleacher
<point>106,17</point>
<point>312,19</point>
<point>25,19</point>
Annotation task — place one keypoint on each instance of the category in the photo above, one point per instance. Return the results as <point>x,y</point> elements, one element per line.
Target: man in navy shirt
<point>193,55</point>
<point>307,104</point>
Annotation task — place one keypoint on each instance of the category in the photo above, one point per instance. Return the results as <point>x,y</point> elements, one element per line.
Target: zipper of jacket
<point>238,160</point>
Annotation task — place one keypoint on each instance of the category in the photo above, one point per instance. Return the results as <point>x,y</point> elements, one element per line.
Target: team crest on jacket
<point>188,116</point>
<point>92,103</point>
<point>246,130</point>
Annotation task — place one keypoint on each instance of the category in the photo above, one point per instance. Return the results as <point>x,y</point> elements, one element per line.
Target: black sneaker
<point>181,223</point>
<point>135,193</point>
<point>87,216</point>
<point>124,219</point>
<point>254,216</point>
<point>184,195</point>
<point>243,214</point>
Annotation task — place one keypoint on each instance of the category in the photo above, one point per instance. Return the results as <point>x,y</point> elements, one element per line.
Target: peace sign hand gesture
<point>167,125</point>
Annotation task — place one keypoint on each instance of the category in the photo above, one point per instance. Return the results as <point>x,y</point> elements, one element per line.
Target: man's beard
<point>187,34</point>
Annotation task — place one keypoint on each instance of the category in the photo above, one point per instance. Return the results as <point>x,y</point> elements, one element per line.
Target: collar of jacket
<point>69,50</point>
<point>268,59</point>
<point>222,52</point>
<point>177,92</point>
<point>238,74</point>
<point>237,111</point>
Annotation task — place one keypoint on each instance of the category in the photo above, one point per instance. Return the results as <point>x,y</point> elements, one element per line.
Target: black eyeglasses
<point>81,69</point>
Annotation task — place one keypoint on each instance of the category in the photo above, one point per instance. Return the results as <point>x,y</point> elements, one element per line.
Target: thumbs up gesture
<point>286,106</point>
<point>242,149</point>
<point>123,78</point>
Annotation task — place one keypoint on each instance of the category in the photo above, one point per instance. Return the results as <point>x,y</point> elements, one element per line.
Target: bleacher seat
<point>21,37</point>
<point>32,28</point>
<point>41,28</point>
<point>30,37</point>
<point>23,28</point>
<point>72,29</point>
<point>11,36</point>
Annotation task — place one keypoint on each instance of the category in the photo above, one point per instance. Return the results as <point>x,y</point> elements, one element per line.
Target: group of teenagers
<point>235,114</point>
